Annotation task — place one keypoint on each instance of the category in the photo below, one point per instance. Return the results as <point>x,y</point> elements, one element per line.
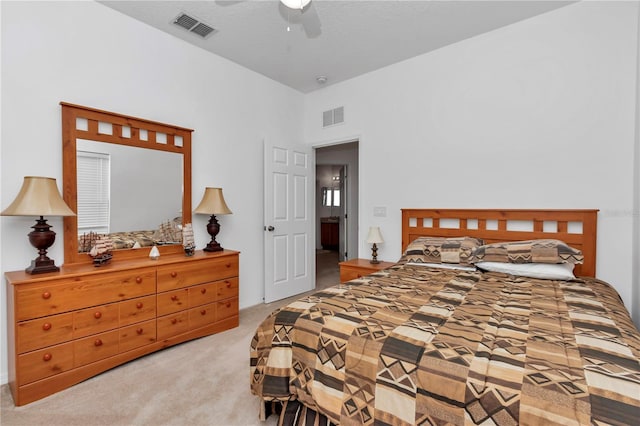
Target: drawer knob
<point>174,321</point>
<point>203,312</point>
<point>228,284</point>
<point>138,280</point>
<point>203,291</point>
<point>46,326</point>
<point>228,265</point>
<point>228,304</point>
<point>139,305</point>
<point>139,331</point>
<point>46,295</point>
<point>98,342</point>
<point>174,274</point>
<point>97,315</point>
<point>47,357</point>
<point>174,297</point>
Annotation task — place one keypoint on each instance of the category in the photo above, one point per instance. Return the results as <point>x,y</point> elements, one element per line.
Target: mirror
<point>124,172</point>
<point>147,191</point>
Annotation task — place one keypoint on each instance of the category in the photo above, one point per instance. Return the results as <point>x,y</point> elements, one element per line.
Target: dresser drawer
<point>173,324</point>
<point>348,274</point>
<point>43,332</point>
<point>44,363</point>
<point>184,275</point>
<point>227,288</point>
<point>137,335</point>
<point>226,308</point>
<point>172,301</point>
<point>202,294</point>
<point>136,310</point>
<point>202,315</point>
<point>57,296</point>
<point>95,320</point>
<point>94,348</point>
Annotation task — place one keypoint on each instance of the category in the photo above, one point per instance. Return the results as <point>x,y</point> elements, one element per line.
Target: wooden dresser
<point>67,326</point>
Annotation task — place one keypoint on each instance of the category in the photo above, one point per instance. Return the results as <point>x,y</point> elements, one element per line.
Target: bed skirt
<point>293,413</point>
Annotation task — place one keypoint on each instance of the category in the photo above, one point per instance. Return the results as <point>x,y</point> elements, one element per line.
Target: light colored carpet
<point>202,382</point>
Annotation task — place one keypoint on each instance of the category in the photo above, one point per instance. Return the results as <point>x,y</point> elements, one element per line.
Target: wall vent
<point>194,25</point>
<point>333,116</point>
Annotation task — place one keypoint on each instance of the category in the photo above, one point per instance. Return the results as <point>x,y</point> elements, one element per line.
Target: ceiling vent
<point>193,25</point>
<point>333,116</point>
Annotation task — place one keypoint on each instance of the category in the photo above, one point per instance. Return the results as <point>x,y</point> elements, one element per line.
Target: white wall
<point>636,194</point>
<point>539,114</point>
<point>88,54</point>
<point>3,299</point>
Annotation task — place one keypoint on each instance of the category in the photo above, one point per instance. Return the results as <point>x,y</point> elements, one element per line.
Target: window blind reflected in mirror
<point>93,171</point>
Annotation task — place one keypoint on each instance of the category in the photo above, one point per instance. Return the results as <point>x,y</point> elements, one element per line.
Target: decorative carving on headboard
<point>578,228</point>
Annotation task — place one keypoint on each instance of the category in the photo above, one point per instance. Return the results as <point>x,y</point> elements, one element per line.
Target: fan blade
<point>310,21</point>
<point>228,2</point>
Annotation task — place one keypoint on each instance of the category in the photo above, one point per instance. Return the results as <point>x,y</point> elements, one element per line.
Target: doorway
<point>336,209</point>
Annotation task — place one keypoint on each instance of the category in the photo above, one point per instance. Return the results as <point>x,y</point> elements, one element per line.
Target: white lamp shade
<point>39,196</point>
<point>212,202</point>
<point>374,235</point>
<point>295,4</point>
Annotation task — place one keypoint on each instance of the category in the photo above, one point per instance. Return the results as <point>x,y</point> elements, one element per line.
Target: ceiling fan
<point>295,4</point>
<point>302,12</point>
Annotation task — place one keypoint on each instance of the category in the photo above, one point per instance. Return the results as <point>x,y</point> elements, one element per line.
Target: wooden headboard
<point>577,228</point>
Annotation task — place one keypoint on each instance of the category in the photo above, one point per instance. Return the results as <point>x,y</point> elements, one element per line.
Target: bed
<point>418,344</point>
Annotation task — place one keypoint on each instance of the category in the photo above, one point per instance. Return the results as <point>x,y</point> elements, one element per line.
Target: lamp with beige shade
<point>213,203</point>
<point>374,237</point>
<point>39,196</point>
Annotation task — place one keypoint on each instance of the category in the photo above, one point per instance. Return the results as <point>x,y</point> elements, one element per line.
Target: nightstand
<point>356,268</point>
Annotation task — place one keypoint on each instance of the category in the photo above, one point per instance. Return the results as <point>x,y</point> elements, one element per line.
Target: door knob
<point>271,229</point>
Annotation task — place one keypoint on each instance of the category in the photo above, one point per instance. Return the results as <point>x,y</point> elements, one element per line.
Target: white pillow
<point>454,266</point>
<point>545,271</point>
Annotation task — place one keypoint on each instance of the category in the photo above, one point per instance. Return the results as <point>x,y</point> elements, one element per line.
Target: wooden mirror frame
<point>70,133</point>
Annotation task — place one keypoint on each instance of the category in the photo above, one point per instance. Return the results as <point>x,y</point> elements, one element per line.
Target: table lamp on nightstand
<point>374,237</point>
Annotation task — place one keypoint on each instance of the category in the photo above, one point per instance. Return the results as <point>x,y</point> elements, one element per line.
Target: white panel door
<point>289,255</point>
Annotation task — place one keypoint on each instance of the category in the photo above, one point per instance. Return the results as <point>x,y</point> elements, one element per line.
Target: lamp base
<point>374,254</point>
<point>41,266</point>
<point>213,227</point>
<point>42,237</point>
<point>213,246</point>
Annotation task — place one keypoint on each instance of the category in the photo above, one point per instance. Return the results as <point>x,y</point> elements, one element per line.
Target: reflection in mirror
<point>125,189</point>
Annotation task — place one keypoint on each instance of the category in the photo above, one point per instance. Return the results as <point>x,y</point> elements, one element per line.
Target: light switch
<point>380,211</point>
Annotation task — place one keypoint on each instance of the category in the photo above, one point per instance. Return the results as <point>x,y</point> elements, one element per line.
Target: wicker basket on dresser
<point>65,327</point>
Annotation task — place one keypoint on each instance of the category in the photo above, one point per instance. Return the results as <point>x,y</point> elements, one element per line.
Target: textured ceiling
<point>336,39</point>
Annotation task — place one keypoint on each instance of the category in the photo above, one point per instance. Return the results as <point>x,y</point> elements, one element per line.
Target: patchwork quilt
<point>415,345</point>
